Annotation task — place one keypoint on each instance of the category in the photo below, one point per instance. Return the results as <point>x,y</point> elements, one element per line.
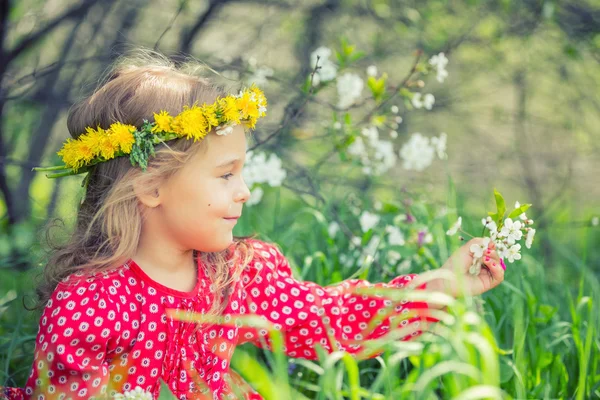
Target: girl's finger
<point>496,268</point>
<point>491,255</point>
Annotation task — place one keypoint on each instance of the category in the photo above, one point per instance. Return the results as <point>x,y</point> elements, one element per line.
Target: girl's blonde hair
<point>109,219</point>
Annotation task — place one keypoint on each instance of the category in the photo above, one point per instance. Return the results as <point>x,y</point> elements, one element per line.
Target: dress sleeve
<point>78,327</point>
<point>335,317</point>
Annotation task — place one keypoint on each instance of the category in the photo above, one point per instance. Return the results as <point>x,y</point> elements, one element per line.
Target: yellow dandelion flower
<point>121,136</point>
<point>210,113</point>
<point>247,106</point>
<point>260,98</point>
<point>250,123</point>
<point>68,154</point>
<point>93,139</point>
<point>190,123</point>
<point>163,122</point>
<point>75,154</point>
<point>229,109</point>
<point>107,148</point>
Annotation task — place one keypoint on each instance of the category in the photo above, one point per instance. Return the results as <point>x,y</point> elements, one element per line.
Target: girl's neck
<point>164,262</point>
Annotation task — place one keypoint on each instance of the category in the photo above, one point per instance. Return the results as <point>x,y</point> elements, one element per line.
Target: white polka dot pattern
<point>113,332</point>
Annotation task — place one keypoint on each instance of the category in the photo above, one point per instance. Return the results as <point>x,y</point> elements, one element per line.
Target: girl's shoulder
<point>267,258</point>
<point>264,251</point>
<point>94,281</point>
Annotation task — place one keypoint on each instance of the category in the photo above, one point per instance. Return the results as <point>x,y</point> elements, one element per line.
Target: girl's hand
<point>473,285</point>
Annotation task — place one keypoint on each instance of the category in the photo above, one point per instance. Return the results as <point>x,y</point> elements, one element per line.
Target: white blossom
<point>256,196</point>
<point>393,257</point>
<point>394,109</point>
<point>513,253</point>
<point>372,70</point>
<point>337,125</point>
<point>385,157</point>
<point>428,101</point>
<point>395,236</point>
<point>417,153</point>
<point>457,225</point>
<point>491,225</point>
<point>529,239</point>
<point>349,87</point>
<point>511,230</point>
<point>403,267</point>
<point>376,156</point>
<point>136,394</point>
<point>501,249</point>
<point>333,228</point>
<point>440,61</point>
<point>327,70</point>
<point>393,134</point>
<point>357,147</point>
<point>368,220</point>
<point>441,75</point>
<point>416,100</point>
<point>595,221</point>
<point>260,169</point>
<point>479,249</point>
<point>371,133</point>
<point>439,143</point>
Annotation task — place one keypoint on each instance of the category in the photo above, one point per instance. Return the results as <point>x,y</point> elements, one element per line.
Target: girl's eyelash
<point>227,176</point>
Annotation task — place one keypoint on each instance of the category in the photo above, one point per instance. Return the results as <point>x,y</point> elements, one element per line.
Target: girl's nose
<point>244,193</point>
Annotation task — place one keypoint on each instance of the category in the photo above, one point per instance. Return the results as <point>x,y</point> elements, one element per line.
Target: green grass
<point>535,336</point>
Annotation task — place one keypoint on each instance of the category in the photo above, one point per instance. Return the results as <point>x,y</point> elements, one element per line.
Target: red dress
<point>112,332</point>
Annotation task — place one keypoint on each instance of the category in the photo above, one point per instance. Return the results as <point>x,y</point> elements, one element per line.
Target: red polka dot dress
<point>116,331</point>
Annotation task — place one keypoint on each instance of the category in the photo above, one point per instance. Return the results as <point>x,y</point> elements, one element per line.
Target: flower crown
<point>99,145</point>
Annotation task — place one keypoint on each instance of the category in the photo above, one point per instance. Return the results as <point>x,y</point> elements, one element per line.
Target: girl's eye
<point>227,176</point>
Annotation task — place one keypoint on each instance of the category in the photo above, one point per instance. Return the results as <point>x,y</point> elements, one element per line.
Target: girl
<point>163,151</point>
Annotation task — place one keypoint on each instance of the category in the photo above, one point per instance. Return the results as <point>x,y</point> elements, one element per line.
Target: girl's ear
<point>147,194</point>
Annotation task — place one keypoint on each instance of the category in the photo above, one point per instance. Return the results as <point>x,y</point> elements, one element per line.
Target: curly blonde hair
<point>109,219</point>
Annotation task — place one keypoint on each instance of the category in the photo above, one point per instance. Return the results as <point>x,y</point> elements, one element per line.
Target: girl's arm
<point>77,329</point>
<point>334,317</point>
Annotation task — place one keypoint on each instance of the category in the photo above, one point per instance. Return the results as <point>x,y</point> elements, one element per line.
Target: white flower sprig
<point>505,233</point>
<point>136,394</point>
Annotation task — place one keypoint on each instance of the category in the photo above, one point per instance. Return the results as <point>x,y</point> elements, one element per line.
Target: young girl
<point>153,240</point>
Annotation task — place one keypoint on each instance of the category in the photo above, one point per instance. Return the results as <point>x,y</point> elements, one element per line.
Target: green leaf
<point>377,86</point>
<point>500,208</point>
<point>518,211</point>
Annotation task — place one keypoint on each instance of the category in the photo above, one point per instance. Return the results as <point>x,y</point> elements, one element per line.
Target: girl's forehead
<point>225,148</point>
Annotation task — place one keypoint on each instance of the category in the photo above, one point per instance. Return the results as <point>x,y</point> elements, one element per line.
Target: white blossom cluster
<point>420,101</point>
<point>328,69</point>
<point>439,61</point>
<point>367,221</point>
<point>418,153</point>
<point>376,155</point>
<point>505,238</point>
<point>260,169</point>
<point>136,394</point>
<point>349,87</point>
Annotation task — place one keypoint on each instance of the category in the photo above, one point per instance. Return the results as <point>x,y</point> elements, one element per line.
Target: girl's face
<point>197,201</point>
